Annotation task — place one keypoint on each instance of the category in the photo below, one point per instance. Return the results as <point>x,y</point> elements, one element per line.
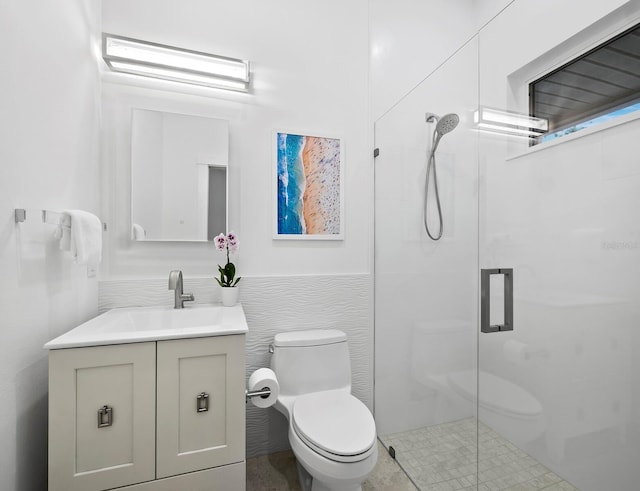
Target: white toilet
<point>332,434</point>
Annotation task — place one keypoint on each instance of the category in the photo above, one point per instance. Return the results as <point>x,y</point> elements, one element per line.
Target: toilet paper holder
<point>264,393</point>
<point>262,388</point>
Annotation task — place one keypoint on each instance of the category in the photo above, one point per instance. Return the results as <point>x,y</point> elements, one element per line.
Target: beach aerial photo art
<point>309,186</point>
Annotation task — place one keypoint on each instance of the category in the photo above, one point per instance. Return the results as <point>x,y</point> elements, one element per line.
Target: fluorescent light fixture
<point>128,55</point>
<point>510,123</point>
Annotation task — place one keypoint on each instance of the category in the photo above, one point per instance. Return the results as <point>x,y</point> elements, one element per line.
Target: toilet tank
<point>311,361</point>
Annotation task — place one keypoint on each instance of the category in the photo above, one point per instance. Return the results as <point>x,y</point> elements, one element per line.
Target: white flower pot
<point>229,295</point>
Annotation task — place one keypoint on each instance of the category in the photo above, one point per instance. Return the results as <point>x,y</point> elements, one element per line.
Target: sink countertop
<point>139,324</point>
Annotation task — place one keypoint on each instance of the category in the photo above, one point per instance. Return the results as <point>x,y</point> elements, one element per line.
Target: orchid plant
<point>228,243</point>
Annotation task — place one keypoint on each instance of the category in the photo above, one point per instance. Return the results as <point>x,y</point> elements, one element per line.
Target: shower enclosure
<point>553,403</point>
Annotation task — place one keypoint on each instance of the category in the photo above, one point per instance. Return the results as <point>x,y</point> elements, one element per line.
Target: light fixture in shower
<point>509,123</point>
<point>154,60</point>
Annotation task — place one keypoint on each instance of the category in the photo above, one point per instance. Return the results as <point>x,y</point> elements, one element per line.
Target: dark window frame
<point>571,118</point>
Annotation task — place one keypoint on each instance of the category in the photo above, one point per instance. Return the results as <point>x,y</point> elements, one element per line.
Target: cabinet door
<point>198,433</point>
<point>93,447</point>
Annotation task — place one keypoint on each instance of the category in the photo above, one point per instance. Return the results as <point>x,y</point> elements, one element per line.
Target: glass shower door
<point>559,394</point>
<point>425,290</point>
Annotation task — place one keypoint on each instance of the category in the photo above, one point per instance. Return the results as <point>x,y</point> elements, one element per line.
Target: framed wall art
<point>309,191</point>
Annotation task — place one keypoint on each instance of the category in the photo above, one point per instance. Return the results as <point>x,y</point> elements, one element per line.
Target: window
<point>601,84</point>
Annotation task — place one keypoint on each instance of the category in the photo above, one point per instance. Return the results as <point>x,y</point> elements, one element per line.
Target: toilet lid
<point>497,393</point>
<point>335,424</point>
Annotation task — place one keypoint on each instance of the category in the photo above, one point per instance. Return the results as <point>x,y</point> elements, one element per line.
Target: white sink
<point>138,324</point>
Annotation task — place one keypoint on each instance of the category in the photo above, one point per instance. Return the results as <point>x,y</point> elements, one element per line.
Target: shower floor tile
<point>443,458</point>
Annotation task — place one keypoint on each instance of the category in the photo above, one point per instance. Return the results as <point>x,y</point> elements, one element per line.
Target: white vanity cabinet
<point>159,415</point>
<point>201,404</point>
<point>89,451</point>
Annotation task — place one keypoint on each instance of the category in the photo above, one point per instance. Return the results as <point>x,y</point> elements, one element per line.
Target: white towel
<point>86,237</point>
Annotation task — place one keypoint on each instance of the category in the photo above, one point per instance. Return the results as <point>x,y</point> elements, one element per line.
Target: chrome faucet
<point>175,284</point>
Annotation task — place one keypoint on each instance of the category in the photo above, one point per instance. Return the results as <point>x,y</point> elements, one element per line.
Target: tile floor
<point>443,458</point>
<point>277,472</point>
<point>438,458</point>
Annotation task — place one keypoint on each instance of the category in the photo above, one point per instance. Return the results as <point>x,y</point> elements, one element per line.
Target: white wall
<point>49,94</point>
<point>410,39</point>
<point>309,70</point>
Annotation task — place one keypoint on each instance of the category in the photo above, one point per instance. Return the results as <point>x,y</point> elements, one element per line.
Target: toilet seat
<point>335,424</point>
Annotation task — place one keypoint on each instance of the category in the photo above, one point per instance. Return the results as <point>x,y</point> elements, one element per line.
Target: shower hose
<point>431,169</point>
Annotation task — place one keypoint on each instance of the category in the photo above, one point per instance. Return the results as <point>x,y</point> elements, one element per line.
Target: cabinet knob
<point>202,402</point>
<point>105,416</point>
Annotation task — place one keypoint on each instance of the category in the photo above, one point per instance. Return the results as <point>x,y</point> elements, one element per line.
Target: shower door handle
<point>485,300</point>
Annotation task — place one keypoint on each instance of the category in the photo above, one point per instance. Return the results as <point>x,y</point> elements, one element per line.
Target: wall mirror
<point>178,176</point>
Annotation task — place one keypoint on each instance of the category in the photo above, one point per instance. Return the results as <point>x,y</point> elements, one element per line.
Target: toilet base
<point>329,475</point>
<point>306,479</point>
<point>307,483</point>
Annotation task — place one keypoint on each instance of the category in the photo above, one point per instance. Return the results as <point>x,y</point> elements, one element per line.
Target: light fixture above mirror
<point>154,60</point>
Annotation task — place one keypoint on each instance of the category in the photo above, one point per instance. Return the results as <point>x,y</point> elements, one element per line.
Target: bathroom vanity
<point>149,399</point>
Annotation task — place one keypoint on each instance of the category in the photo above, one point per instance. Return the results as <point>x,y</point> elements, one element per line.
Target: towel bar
<point>56,218</point>
<point>52,217</point>
<point>20,215</point>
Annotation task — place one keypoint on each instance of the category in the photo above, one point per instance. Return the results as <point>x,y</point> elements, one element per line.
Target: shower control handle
<point>485,300</point>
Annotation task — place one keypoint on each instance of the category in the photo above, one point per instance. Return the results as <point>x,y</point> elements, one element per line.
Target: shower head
<point>444,124</point>
<point>447,123</point>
